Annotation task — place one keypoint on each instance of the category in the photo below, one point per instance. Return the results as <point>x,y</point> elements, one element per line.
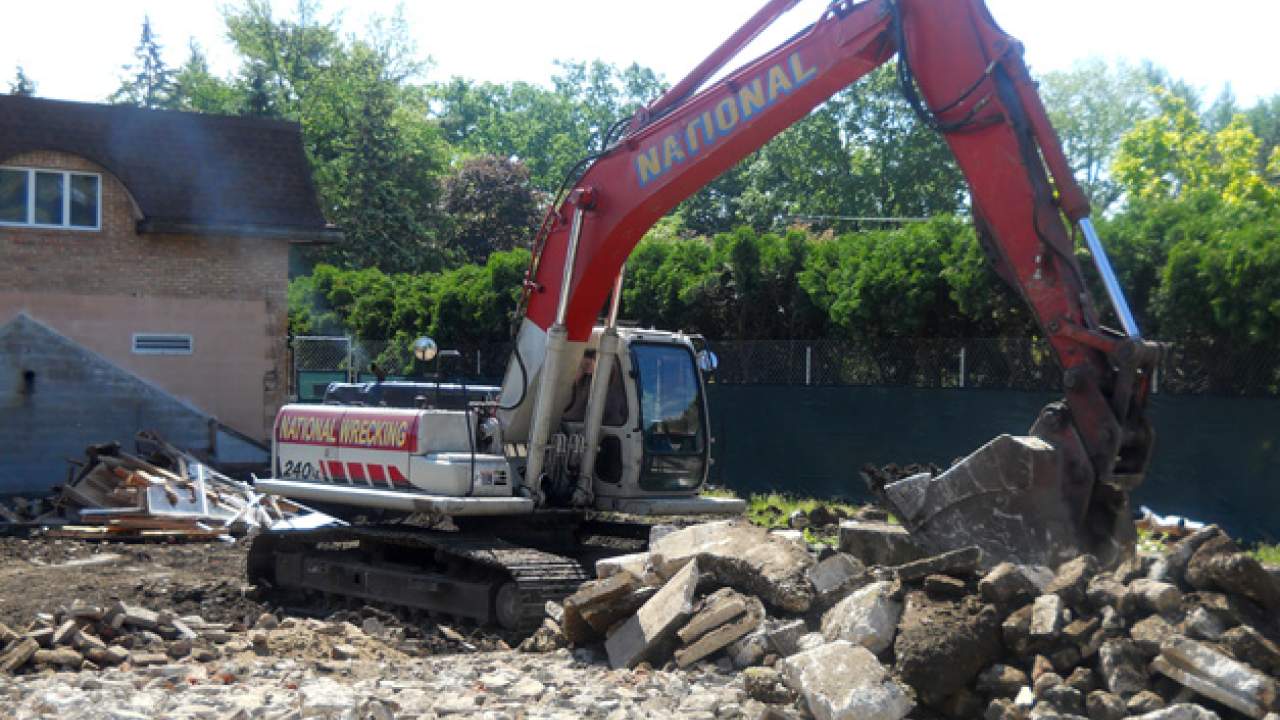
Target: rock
<point>962,562</point>
<point>719,637</point>
<point>942,646</point>
<point>1016,632</point>
<point>1178,555</point>
<point>547,638</point>
<point>1203,625</point>
<point>645,635</point>
<point>1155,596</point>
<point>267,621</point>
<point>1144,702</point>
<point>1105,591</point>
<point>526,688</point>
<point>739,555</point>
<point>1001,681</point>
<point>1046,617</point>
<point>1249,646</point>
<point>635,563</point>
<point>944,587</point>
<point>1002,709</point>
<point>63,633</point>
<point>1065,699</point>
<point>1233,572</point>
<point>1081,630</point>
<point>657,532</point>
<point>963,704</point>
<point>1065,659</point>
<point>1102,705</point>
<point>798,520</point>
<point>1123,667</point>
<point>878,543</point>
<point>1183,711</point>
<point>1216,676</point>
<point>1149,633</point>
<point>18,655</point>
<point>822,516</point>
<point>342,651</point>
<point>767,686</point>
<point>844,681</point>
<point>137,616</point>
<point>868,617</point>
<point>144,659</point>
<point>715,610</point>
<point>835,576</point>
<point>784,637</point>
<point>809,641</point>
<point>1071,582</point>
<point>1045,682</point>
<point>1083,679</point>
<point>1007,584</point>
<point>1041,665</point>
<point>603,616</point>
<point>749,649</point>
<point>62,657</point>
<point>595,594</point>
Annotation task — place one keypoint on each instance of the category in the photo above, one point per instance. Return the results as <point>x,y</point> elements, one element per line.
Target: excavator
<point>595,422</point>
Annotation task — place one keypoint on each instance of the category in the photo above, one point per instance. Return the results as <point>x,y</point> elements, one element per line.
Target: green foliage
<point>491,206</point>
<point>1266,554</point>
<point>148,81</point>
<point>1092,105</point>
<point>22,84</point>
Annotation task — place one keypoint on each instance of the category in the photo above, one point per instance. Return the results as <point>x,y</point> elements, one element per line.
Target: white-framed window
<point>163,344</point>
<point>50,198</point>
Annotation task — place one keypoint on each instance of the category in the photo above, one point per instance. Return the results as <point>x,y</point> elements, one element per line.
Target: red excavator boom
<point>1036,499</point>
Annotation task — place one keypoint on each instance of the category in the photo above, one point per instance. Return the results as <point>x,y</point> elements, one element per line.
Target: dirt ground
<point>207,579</point>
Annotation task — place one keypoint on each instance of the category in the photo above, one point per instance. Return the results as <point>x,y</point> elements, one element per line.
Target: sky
<point>74,49</point>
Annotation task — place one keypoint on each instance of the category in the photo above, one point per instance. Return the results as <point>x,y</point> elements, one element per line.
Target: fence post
<point>808,364</point>
<point>352,374</point>
<point>962,369</point>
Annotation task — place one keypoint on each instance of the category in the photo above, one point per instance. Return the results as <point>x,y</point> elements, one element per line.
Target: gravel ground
<point>359,663</point>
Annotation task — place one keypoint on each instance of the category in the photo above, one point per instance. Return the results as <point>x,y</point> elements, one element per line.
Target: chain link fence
<point>998,363</point>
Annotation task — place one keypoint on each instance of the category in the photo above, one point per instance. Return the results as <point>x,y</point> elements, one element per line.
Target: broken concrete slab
<point>878,543</point>
<point>723,635</point>
<point>869,617</point>
<point>844,681</point>
<point>1217,676</point>
<point>1181,711</point>
<point>1007,584</point>
<point>649,632</point>
<point>1212,567</point>
<point>836,575</point>
<point>716,609</point>
<point>595,594</point>
<point>784,637</point>
<point>1155,596</point>
<point>1250,646</point>
<point>18,655</point>
<point>602,616</point>
<point>636,564</point>
<point>1123,667</point>
<point>742,556</point>
<point>961,562</point>
<point>1046,617</point>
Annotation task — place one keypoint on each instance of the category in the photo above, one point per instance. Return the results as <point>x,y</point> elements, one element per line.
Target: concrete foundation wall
<point>57,397</point>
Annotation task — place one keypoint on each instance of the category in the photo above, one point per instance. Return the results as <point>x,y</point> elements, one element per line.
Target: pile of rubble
<point>877,631</point>
<point>169,495</point>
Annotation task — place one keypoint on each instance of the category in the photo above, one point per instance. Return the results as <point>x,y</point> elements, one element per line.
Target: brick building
<point>160,242</point>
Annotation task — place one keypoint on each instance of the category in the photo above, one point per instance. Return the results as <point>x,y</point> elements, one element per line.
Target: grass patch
<point>1266,554</point>
<point>773,510</point>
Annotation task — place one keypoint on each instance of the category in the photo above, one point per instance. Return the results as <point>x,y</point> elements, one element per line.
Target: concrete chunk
<point>1155,596</point>
<point>645,634</point>
<point>635,563</point>
<point>742,556</point>
<point>961,562</point>
<point>64,632</point>
<point>717,609</point>
<point>1046,617</point>
<point>869,618</point>
<point>590,595</point>
<point>749,649</point>
<point>878,543</point>
<point>784,637</point>
<point>1216,676</point>
<point>18,655</point>
<point>723,635</point>
<point>138,616</point>
<point>1007,583</point>
<point>837,573</point>
<point>843,681</point>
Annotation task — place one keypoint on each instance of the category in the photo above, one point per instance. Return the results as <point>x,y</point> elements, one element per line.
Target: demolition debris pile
<point>169,495</point>
<point>877,631</point>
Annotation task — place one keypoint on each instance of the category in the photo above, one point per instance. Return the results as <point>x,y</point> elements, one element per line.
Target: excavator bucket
<point>1016,498</point>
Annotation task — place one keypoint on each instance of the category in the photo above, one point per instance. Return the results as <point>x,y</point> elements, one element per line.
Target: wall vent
<point>162,344</point>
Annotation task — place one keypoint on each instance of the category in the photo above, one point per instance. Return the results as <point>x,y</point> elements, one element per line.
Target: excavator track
<point>462,575</point>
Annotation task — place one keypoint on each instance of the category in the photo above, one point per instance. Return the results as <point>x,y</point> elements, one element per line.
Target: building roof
<point>188,172</point>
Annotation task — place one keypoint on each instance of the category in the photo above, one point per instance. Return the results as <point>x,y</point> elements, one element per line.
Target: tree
<point>22,84</point>
<point>195,87</point>
<point>491,206</point>
<point>1173,155</point>
<point>1264,117</point>
<point>148,82</point>
<point>1091,106</point>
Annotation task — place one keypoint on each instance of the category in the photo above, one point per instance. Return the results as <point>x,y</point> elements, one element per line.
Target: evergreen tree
<point>22,85</point>
<point>148,82</point>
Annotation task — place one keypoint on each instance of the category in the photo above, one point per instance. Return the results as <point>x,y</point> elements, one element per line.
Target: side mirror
<point>707,361</point>
<point>425,349</point>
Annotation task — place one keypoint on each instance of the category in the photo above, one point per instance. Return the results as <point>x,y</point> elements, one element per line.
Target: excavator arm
<point>1036,499</point>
